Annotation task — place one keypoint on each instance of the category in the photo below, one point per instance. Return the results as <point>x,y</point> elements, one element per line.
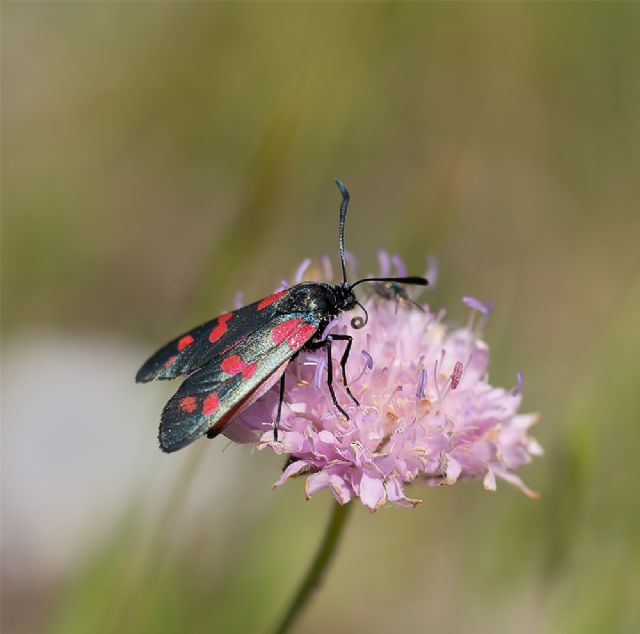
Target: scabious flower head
<point>427,411</point>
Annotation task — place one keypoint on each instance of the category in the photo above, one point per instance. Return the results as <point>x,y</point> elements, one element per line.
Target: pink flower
<point>427,411</point>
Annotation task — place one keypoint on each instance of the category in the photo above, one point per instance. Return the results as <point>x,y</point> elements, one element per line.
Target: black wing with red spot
<point>198,346</point>
<point>209,398</point>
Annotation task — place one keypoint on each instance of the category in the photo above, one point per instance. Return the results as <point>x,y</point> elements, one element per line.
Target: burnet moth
<point>232,360</point>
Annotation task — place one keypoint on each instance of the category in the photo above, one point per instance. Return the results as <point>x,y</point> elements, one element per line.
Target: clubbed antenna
<point>343,215</point>
<point>411,280</point>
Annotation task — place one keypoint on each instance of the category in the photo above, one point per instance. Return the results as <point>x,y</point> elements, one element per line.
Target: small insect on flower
<point>392,291</point>
<point>232,360</point>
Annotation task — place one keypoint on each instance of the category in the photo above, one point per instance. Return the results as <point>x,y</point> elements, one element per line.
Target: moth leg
<point>326,343</point>
<point>276,422</point>
<point>343,362</point>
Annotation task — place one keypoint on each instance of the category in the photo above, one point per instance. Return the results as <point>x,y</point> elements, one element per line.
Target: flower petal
<point>372,492</point>
<point>426,409</point>
<point>294,469</point>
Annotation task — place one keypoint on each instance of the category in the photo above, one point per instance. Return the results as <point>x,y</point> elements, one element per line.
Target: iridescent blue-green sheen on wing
<point>209,398</point>
<point>196,347</point>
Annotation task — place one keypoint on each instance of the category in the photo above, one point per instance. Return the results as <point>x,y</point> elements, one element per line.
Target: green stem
<point>318,566</point>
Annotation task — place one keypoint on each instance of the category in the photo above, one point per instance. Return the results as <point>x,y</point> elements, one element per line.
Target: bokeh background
<point>159,157</point>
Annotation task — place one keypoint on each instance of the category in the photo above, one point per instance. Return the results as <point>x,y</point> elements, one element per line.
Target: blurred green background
<point>158,157</point>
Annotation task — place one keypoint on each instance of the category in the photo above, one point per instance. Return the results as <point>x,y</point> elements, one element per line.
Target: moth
<point>234,359</point>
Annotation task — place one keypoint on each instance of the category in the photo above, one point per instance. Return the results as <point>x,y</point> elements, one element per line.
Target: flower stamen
<point>456,375</point>
<point>302,269</point>
<point>422,382</point>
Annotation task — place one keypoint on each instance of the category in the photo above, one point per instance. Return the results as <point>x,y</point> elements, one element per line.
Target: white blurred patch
<point>79,451</point>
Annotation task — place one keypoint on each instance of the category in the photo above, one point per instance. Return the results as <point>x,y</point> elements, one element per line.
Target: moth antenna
<point>358,322</point>
<point>343,215</point>
<point>411,280</point>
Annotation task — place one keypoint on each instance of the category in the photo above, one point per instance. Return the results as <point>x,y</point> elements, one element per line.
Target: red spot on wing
<point>169,361</point>
<point>272,298</point>
<point>300,336</point>
<point>285,330</point>
<point>188,404</point>
<point>184,342</point>
<point>210,404</point>
<point>233,364</point>
<point>220,328</point>
<point>249,370</point>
